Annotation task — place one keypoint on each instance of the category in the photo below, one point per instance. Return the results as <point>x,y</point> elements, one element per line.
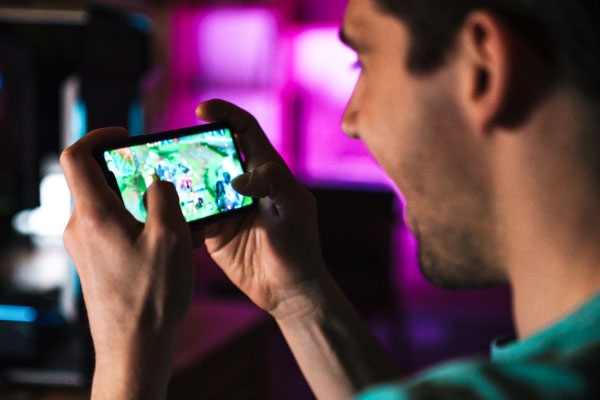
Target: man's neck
<point>548,215</point>
<point>538,307</point>
<point>552,253</point>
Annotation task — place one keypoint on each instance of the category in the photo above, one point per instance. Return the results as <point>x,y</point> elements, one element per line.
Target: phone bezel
<point>158,136</point>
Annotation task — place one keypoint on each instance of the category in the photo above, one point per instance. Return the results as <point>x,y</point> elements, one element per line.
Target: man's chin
<point>452,261</point>
<point>445,273</point>
<point>454,281</point>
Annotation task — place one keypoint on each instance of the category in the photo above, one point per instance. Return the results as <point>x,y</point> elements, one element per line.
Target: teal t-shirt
<point>561,362</point>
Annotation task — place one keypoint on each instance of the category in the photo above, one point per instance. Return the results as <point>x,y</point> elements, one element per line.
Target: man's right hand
<point>272,253</point>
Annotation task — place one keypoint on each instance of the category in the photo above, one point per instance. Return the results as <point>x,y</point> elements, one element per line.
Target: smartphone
<point>201,161</point>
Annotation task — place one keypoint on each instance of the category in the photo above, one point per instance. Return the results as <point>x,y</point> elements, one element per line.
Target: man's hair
<point>565,32</point>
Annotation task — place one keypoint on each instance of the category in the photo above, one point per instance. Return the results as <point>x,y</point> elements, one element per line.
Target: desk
<point>220,353</point>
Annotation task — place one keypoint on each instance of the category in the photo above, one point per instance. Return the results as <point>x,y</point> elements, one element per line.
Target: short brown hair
<point>565,32</point>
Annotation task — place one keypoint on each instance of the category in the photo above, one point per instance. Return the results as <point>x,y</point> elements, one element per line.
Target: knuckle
<point>93,218</point>
<point>246,120</point>
<point>271,168</point>
<point>70,235</point>
<point>67,157</point>
<point>166,187</point>
<point>70,157</point>
<point>67,235</point>
<point>162,188</point>
<point>167,236</point>
<point>88,222</point>
<point>249,119</point>
<point>272,165</point>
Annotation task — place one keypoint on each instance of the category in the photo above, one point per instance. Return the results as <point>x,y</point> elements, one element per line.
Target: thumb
<point>162,206</point>
<point>274,181</point>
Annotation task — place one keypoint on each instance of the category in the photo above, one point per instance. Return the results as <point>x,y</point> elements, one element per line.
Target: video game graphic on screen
<point>201,166</point>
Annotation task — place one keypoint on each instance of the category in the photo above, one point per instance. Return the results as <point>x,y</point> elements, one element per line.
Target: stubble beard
<point>450,202</point>
<point>459,253</point>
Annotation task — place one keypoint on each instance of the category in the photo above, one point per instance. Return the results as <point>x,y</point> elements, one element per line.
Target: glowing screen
<point>201,166</point>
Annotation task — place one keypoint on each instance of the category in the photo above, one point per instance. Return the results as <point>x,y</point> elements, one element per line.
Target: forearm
<point>334,349</point>
<point>143,372</point>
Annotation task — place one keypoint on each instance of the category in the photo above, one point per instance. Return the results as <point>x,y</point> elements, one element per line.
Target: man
<point>485,114</point>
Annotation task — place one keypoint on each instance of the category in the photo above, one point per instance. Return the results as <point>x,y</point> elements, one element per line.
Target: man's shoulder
<point>568,378</point>
<point>560,362</point>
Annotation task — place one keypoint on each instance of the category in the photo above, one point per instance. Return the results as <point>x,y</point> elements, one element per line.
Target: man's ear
<point>487,47</point>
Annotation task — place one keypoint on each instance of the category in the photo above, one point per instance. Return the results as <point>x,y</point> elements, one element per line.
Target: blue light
<point>17,313</point>
<point>136,118</point>
<point>78,120</point>
<point>141,22</point>
<point>0,82</point>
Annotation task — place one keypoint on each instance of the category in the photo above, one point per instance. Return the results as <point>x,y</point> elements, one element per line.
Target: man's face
<point>414,126</point>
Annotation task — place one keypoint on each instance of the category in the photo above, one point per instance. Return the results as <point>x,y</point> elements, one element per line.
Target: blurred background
<point>67,67</point>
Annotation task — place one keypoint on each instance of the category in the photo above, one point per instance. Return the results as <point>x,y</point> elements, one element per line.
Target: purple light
<point>325,78</point>
<point>295,81</point>
<point>266,105</point>
<point>184,48</point>
<point>238,46</point>
<point>241,55</point>
<point>323,63</point>
<point>224,46</point>
<point>230,53</point>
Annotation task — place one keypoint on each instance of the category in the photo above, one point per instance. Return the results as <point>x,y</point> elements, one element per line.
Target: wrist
<point>135,370</point>
<point>308,301</point>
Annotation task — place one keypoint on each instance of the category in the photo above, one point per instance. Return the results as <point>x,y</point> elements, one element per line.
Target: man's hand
<point>272,254</point>
<point>137,279</point>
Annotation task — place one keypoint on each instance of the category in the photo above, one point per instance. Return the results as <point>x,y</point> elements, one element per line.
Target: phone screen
<point>200,165</point>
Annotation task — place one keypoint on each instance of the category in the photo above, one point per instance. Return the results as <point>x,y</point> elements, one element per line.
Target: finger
<point>163,211</point>
<point>254,143</point>
<point>275,182</point>
<point>84,176</point>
